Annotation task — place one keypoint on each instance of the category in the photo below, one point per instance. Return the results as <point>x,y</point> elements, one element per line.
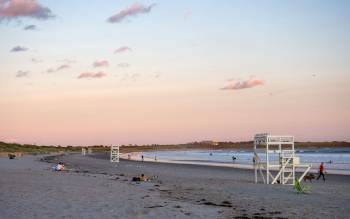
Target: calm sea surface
<point>335,159</point>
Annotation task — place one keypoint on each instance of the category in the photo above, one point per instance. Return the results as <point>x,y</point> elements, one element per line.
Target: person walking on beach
<point>321,170</point>
<point>142,157</point>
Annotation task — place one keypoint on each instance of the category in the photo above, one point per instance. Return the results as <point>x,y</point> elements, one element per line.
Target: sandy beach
<point>92,187</point>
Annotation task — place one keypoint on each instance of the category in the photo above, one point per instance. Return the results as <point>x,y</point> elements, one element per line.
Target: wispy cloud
<point>30,27</point>
<point>34,60</point>
<point>123,49</point>
<point>21,74</point>
<point>59,68</point>
<point>18,48</point>
<point>123,65</point>
<point>101,63</point>
<point>13,9</point>
<point>237,85</point>
<point>92,75</point>
<point>133,10</point>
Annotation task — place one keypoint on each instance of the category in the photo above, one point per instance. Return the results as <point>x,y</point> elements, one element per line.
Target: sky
<point>166,72</point>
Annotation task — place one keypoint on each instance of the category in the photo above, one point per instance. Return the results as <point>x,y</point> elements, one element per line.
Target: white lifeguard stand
<point>281,148</point>
<point>115,154</point>
<point>83,151</point>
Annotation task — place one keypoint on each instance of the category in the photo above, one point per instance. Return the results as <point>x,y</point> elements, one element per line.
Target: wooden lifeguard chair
<point>115,154</point>
<point>285,163</point>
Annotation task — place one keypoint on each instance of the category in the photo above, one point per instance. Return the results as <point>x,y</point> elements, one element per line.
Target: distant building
<point>210,142</point>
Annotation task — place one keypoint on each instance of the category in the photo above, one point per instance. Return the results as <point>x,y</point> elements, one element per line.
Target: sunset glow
<point>158,72</point>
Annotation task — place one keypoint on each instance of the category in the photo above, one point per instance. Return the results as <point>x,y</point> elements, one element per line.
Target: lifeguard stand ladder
<point>114,153</point>
<point>286,163</point>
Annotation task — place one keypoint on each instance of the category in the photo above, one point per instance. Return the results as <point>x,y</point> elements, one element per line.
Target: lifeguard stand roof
<point>266,138</point>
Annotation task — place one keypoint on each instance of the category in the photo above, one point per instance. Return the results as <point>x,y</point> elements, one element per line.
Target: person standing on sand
<point>321,170</point>
<point>141,157</point>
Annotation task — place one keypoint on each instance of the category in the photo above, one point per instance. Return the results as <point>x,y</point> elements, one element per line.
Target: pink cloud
<point>133,10</point>
<point>123,49</point>
<point>59,68</point>
<point>12,9</point>
<point>237,85</point>
<point>92,75</point>
<point>102,63</point>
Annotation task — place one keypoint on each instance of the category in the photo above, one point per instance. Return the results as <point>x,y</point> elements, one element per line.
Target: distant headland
<point>6,148</point>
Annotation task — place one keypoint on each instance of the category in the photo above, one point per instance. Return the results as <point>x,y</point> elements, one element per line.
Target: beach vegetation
<point>301,189</point>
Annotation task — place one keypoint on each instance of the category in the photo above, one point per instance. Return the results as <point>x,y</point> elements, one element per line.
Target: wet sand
<point>92,187</point>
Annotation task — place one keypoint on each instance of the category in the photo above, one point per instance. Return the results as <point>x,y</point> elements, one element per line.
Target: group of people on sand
<point>141,178</point>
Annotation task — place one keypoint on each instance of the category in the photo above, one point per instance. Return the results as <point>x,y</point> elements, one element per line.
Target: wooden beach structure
<point>115,154</point>
<point>83,151</point>
<point>280,161</point>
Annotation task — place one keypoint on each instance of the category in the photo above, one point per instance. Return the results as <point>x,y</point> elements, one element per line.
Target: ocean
<point>336,160</point>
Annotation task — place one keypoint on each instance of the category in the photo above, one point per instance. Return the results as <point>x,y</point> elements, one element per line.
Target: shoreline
<point>135,156</point>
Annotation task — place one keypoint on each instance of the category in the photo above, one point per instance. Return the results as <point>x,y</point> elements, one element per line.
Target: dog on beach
<point>11,156</point>
<point>309,177</point>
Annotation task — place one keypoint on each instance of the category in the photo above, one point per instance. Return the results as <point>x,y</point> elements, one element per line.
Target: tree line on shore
<point>38,149</point>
